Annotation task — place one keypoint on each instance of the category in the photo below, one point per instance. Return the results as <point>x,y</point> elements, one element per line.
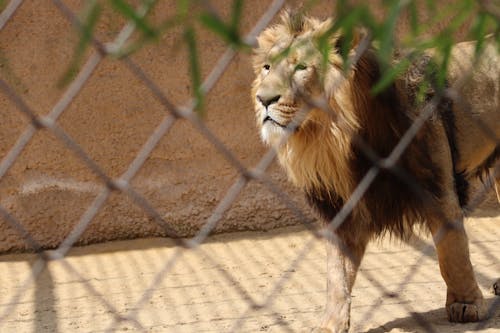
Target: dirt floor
<point>399,288</point>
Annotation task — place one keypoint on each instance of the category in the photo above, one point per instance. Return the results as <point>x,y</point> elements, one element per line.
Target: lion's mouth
<point>268,118</point>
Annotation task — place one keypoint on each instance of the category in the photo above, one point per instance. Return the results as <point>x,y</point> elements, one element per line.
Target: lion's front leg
<point>464,300</point>
<point>343,259</point>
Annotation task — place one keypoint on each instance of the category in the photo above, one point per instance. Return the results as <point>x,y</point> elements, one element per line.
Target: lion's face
<point>290,73</point>
<point>280,85</point>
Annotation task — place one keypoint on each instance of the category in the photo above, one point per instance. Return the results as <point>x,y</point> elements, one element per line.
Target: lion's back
<point>477,104</point>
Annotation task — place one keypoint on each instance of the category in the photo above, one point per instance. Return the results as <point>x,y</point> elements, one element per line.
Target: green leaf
<point>129,12</point>
<point>227,33</point>
<point>479,31</point>
<point>215,24</point>
<point>354,18</point>
<point>236,14</point>
<point>91,16</point>
<point>183,7</point>
<point>190,38</point>
<point>131,47</point>
<point>445,50</point>
<point>325,48</point>
<point>413,18</point>
<point>385,33</point>
<point>347,25</point>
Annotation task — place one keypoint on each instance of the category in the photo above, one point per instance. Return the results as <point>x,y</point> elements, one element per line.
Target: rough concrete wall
<point>49,188</point>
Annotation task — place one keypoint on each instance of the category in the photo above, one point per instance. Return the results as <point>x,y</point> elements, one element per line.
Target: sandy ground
<point>399,288</point>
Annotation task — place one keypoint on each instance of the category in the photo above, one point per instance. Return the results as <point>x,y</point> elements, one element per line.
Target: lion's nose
<point>268,100</point>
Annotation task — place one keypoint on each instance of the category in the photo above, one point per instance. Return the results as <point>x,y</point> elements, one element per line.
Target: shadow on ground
<point>434,321</point>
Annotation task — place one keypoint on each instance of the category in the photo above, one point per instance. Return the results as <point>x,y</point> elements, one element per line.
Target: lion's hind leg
<point>464,300</point>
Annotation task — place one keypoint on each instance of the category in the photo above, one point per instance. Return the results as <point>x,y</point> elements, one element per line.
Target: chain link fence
<point>190,253</point>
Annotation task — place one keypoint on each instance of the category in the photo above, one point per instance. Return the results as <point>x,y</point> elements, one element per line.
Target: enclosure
<point>129,125</point>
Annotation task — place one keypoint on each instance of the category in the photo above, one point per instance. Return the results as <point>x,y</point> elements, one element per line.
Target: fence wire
<point>258,174</point>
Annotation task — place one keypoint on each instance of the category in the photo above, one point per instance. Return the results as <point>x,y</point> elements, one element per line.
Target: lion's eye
<point>266,67</point>
<point>300,67</point>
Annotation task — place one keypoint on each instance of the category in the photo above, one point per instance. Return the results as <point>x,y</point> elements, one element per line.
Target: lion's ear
<point>322,27</point>
<point>323,32</point>
<point>294,20</point>
<point>359,35</point>
<point>337,37</point>
<point>349,40</point>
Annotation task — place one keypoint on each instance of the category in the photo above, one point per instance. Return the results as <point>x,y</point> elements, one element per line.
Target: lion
<point>329,130</point>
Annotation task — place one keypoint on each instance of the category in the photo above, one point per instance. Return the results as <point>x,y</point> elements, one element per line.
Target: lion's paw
<point>464,313</point>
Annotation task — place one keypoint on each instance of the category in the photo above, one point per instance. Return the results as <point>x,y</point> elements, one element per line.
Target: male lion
<point>321,119</point>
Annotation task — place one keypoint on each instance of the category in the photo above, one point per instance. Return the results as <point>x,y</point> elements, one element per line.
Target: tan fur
<point>307,168</point>
<point>497,189</point>
<point>292,76</point>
